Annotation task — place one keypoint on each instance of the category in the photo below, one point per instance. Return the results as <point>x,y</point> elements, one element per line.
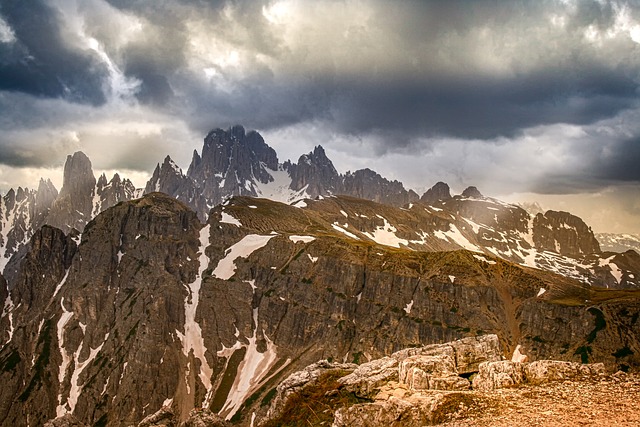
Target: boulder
<point>500,374</point>
<point>543,371</point>
<point>366,379</point>
<point>431,373</point>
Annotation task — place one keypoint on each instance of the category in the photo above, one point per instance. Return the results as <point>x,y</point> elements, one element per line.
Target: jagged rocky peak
<point>74,206</point>
<point>439,192</point>
<point>314,173</point>
<point>166,177</point>
<point>367,184</point>
<point>233,162</point>
<point>472,193</point>
<point>564,233</point>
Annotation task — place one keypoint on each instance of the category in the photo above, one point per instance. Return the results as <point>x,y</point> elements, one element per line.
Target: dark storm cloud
<point>620,162</point>
<point>40,63</point>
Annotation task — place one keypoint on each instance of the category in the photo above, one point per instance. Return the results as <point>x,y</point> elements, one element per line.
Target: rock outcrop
<point>427,389</point>
<point>493,375</point>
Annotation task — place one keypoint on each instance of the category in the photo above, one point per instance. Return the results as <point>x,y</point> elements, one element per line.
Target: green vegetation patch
<point>316,403</point>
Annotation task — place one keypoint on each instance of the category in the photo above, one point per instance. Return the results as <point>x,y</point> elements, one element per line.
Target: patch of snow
<point>435,209</point>
<point>304,239</point>
<point>386,235</point>
<point>124,368</point>
<point>253,207</point>
<point>192,340</point>
<point>168,402</point>
<point>481,258</point>
<point>408,307</point>
<point>342,230</point>
<point>452,278</point>
<point>615,271</point>
<point>358,297</point>
<point>344,213</point>
<point>300,204</point>
<point>229,219</point>
<point>474,226</point>
<point>541,291</point>
<point>313,259</point>
<point>246,246</point>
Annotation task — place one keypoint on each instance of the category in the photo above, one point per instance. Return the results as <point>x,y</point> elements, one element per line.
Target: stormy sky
<point>527,100</point>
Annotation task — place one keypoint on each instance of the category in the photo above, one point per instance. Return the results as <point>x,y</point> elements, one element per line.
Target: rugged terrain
<point>149,307</point>
<point>117,306</point>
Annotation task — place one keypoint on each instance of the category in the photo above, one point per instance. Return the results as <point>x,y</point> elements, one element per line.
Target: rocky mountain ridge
<point>24,211</point>
<point>239,163</point>
<point>235,162</point>
<point>151,308</point>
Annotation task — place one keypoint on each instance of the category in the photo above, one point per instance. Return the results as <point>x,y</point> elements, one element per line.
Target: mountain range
<point>207,289</point>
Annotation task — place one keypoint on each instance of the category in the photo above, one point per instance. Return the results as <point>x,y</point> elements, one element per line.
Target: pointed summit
<point>233,163</point>
<point>314,173</point>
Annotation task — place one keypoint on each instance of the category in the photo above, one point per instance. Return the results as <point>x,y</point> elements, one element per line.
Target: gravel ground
<point>611,401</point>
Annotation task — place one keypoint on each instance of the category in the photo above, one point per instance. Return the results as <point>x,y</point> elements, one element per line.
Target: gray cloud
<point>518,96</point>
<point>40,62</point>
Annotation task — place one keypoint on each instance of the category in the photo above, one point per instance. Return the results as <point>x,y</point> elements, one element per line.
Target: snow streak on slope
<point>62,322</point>
<point>386,235</point>
<point>226,266</point>
<point>7,310</point>
<point>76,387</point>
<point>62,282</point>
<point>192,339</point>
<point>251,371</point>
<point>343,231</point>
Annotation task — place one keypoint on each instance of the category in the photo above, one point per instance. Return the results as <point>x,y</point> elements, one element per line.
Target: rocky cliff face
<point>155,309</point>
<point>564,233</point>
